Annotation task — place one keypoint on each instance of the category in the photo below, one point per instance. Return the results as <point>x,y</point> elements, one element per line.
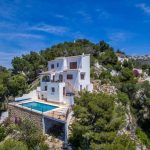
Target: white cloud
<point>24,29</point>
<point>144,7</point>
<point>103,14</point>
<point>78,35</point>
<point>117,36</point>
<point>57,30</point>
<point>12,35</point>
<point>6,58</point>
<point>87,17</point>
<point>60,16</point>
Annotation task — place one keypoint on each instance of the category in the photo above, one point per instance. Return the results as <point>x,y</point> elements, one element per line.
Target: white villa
<point>51,103</point>
<point>64,78</point>
<point>122,57</point>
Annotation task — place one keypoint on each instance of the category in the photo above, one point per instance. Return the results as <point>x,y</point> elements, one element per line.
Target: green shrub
<point>30,134</point>
<point>43,146</point>
<point>143,137</point>
<point>123,98</point>
<point>2,133</point>
<point>11,144</point>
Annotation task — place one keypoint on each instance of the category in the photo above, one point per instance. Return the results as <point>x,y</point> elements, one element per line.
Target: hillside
<point>119,107</point>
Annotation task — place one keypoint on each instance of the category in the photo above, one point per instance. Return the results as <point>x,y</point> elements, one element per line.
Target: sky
<point>33,25</point>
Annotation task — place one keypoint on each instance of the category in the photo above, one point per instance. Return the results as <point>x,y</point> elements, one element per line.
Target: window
<point>52,66</point>
<point>45,88</point>
<point>64,91</point>
<point>57,65</point>
<point>69,76</point>
<point>53,77</point>
<point>60,77</point>
<point>53,89</point>
<point>46,79</point>
<point>73,65</point>
<point>82,75</point>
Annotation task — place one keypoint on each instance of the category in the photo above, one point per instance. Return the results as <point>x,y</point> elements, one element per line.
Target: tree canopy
<point>97,123</point>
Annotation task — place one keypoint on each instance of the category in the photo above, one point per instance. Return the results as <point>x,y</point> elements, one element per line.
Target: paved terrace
<point>59,114</point>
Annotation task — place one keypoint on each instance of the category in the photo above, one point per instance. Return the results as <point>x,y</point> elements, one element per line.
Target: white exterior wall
<point>43,84</point>
<point>85,69</point>
<point>61,67</point>
<point>56,96</point>
<point>75,81</point>
<point>57,76</point>
<point>83,66</point>
<point>32,95</point>
<point>69,100</point>
<point>43,94</point>
<point>74,59</point>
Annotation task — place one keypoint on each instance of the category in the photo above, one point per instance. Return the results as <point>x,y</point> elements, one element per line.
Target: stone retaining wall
<point>16,112</point>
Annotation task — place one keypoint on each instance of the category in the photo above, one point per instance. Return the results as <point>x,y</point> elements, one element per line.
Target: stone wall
<point>16,112</point>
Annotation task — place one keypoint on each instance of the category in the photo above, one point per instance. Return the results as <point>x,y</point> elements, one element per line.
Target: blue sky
<point>27,25</point>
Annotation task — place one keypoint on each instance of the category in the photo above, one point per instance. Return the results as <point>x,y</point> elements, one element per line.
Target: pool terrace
<point>58,112</point>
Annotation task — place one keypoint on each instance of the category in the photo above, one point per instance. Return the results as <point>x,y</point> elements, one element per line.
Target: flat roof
<point>73,56</point>
<point>46,72</point>
<point>71,70</point>
<point>69,57</point>
<point>52,71</point>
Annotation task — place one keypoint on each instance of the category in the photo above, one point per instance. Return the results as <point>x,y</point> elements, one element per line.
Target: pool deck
<point>58,114</point>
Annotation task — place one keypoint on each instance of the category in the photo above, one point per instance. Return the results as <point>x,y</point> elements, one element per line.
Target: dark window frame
<point>73,65</point>
<point>45,88</point>
<point>53,89</point>
<point>69,76</point>
<point>57,65</point>
<point>82,76</point>
<point>45,78</point>
<point>52,66</point>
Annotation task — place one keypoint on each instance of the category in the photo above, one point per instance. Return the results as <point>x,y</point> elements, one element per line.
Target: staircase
<point>71,88</point>
<point>34,84</point>
<point>32,95</point>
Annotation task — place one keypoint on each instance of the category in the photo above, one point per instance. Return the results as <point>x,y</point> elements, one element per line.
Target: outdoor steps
<point>32,94</point>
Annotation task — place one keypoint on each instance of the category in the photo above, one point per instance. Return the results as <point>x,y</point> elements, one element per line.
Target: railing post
<point>42,111</point>
<point>66,135</point>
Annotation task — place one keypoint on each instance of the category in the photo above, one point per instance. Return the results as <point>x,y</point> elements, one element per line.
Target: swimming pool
<point>38,106</point>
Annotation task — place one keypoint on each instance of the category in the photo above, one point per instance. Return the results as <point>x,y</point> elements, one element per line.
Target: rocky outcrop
<point>103,88</point>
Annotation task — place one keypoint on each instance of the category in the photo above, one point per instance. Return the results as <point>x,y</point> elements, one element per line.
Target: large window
<point>52,66</point>
<point>69,76</point>
<point>73,65</point>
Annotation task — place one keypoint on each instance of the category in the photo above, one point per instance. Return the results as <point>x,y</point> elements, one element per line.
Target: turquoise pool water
<point>39,106</point>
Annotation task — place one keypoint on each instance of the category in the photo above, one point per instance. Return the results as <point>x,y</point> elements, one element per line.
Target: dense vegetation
<point>26,69</point>
<point>97,117</point>
<point>22,136</point>
<point>97,122</point>
<point>10,86</point>
<point>33,63</point>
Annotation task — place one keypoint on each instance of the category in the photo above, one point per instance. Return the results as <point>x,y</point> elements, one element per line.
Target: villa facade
<point>65,77</point>
<point>50,104</point>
